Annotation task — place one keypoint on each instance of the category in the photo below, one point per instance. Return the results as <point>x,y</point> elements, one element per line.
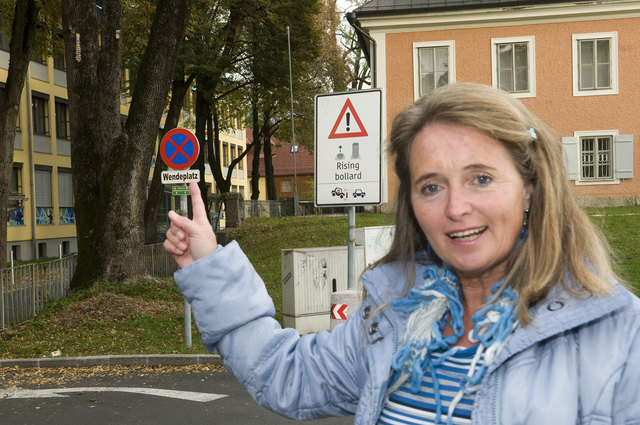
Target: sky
<point>344,5</point>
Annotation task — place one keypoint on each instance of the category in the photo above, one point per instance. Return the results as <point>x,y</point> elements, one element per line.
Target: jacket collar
<point>561,311</point>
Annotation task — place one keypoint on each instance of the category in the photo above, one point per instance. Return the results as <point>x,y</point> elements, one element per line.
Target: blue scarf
<point>430,306</point>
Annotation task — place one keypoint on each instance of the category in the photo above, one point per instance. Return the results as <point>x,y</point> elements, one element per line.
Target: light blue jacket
<point>577,363</point>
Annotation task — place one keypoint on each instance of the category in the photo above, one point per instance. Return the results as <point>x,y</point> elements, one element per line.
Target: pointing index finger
<point>199,211</point>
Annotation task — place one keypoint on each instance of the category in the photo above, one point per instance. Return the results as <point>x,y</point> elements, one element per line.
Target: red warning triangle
<point>362,133</point>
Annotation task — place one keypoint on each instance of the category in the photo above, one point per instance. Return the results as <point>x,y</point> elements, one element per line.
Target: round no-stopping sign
<point>179,148</point>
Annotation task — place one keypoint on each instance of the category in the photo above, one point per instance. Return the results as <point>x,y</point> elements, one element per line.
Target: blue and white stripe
<point>405,407</point>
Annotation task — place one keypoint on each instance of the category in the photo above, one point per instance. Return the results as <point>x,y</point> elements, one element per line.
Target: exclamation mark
<point>348,117</point>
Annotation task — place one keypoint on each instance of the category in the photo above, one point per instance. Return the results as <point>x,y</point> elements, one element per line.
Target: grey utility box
<point>309,276</point>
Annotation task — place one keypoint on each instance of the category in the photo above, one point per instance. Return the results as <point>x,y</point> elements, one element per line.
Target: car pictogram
<point>358,192</point>
<point>338,192</point>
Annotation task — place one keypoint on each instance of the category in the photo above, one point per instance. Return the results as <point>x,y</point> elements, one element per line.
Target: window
<point>598,157</point>
<point>233,152</point>
<point>16,179</point>
<point>4,41</point>
<point>62,119</point>
<point>42,60</point>
<point>42,250</point>
<point>44,203</point>
<point>225,154</point>
<point>241,163</point>
<point>285,186</point>
<point>241,190</point>
<point>434,66</point>
<point>513,64</point>
<point>65,196</point>
<point>59,62</point>
<point>595,64</point>
<point>40,105</point>
<point>15,251</point>
<point>16,197</point>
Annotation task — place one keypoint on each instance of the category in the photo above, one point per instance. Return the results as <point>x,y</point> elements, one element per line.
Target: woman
<point>495,305</point>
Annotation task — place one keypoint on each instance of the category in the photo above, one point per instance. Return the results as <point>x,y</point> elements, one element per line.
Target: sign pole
<point>179,149</point>
<point>351,249</point>
<point>184,208</point>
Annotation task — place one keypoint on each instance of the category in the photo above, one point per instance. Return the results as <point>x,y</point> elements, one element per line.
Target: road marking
<point>18,393</point>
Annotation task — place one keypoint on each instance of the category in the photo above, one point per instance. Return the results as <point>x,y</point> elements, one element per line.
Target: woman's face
<point>468,198</point>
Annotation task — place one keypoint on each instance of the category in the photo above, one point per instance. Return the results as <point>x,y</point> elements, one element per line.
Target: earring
<point>525,222</point>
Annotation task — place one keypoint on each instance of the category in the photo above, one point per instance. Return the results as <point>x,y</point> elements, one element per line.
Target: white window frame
<point>613,37</point>
<point>590,182</point>
<point>530,40</point>
<point>450,44</point>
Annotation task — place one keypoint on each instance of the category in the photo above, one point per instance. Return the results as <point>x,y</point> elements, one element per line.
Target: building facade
<point>574,64</point>
<point>41,214</point>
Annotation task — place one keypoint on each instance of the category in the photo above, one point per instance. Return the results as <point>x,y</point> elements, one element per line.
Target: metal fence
<point>158,262</point>
<point>26,290</point>
<point>282,208</point>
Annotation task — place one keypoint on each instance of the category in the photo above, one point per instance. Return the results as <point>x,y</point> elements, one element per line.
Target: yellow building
<point>41,207</point>
<point>41,215</point>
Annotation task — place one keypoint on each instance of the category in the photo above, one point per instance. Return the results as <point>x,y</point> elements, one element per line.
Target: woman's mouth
<point>467,235</point>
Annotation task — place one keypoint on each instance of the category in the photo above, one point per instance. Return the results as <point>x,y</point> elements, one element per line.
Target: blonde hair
<point>561,238</point>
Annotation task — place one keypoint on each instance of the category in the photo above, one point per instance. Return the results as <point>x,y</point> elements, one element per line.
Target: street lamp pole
<point>294,146</point>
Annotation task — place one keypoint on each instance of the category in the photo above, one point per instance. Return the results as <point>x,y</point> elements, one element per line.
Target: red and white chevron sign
<point>339,311</point>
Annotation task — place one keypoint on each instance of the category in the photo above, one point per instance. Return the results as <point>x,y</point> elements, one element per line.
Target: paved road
<point>89,400</point>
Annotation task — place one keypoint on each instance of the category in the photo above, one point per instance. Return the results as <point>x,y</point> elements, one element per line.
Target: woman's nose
<point>457,203</point>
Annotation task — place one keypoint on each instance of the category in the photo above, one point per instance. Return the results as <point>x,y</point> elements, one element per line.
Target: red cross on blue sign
<point>179,148</point>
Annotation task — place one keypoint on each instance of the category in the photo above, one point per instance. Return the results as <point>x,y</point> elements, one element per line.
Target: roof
<point>282,158</point>
<point>393,7</point>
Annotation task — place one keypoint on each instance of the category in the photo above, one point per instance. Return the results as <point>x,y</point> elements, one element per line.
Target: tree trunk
<point>255,163</point>
<point>110,160</point>
<point>20,49</point>
<point>156,190</point>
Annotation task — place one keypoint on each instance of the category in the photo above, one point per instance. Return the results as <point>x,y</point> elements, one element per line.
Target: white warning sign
<point>348,148</point>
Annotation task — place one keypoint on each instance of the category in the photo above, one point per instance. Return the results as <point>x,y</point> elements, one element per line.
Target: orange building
<point>284,173</point>
<point>575,64</point>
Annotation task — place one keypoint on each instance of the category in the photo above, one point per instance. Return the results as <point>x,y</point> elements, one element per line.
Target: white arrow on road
<point>15,393</point>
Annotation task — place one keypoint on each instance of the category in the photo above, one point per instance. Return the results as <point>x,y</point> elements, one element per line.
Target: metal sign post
<point>179,149</point>
<point>184,209</point>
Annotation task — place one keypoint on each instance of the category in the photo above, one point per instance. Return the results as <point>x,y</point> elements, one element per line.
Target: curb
<point>116,360</point>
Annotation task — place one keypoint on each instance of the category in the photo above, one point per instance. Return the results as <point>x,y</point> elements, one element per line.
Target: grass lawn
<point>147,316</point>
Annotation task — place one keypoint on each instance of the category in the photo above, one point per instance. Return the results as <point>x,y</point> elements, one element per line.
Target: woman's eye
<point>483,179</point>
<point>430,189</point>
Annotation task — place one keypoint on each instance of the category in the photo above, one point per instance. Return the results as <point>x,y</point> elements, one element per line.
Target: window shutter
<point>43,188</point>
<point>623,156</point>
<point>65,193</point>
<point>571,157</point>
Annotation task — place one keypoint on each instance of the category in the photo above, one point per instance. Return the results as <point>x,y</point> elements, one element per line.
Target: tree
<point>110,155</point>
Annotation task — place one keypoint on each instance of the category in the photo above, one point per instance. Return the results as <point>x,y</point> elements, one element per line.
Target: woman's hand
<point>189,240</point>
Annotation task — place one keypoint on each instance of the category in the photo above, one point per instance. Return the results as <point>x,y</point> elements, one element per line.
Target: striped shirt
<point>404,407</point>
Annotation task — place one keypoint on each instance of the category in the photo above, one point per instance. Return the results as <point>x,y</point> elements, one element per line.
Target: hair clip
<point>534,136</point>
